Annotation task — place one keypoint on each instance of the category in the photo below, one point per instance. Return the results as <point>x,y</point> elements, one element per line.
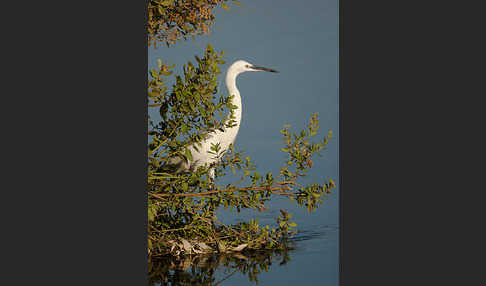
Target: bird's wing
<point>173,165</point>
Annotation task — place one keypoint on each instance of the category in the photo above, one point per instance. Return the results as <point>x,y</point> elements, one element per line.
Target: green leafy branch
<point>182,205</point>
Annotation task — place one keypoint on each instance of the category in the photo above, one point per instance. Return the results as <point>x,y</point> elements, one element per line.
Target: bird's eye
<point>247,66</point>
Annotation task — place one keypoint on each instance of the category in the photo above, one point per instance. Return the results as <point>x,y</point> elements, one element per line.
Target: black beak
<point>263,69</point>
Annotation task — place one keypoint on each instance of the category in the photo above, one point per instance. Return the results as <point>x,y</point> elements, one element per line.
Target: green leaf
<point>188,154</point>
<point>166,2</point>
<point>238,3</point>
<point>165,73</point>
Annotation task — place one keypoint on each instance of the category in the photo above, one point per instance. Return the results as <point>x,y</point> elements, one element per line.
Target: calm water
<point>314,261</point>
<point>301,41</point>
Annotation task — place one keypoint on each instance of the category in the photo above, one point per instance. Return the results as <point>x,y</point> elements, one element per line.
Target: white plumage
<point>226,138</point>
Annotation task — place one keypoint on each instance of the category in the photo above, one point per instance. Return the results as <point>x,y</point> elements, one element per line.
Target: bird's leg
<point>211,178</point>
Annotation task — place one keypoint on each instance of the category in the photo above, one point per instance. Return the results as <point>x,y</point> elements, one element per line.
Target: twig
<point>275,190</point>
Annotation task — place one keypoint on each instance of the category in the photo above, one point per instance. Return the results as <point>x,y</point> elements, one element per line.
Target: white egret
<point>225,138</point>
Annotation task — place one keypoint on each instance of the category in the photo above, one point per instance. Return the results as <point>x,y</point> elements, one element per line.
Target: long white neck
<point>231,85</point>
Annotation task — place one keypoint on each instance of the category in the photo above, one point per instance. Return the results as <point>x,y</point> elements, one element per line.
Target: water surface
<point>299,39</point>
<point>313,261</point>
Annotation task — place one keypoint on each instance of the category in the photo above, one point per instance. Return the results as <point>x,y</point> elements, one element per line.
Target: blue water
<point>314,261</point>
<point>301,41</point>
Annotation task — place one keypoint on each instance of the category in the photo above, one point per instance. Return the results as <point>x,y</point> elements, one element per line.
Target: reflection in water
<point>201,270</point>
<point>215,269</point>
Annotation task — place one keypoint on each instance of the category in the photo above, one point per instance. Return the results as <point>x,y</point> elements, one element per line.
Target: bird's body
<point>226,137</point>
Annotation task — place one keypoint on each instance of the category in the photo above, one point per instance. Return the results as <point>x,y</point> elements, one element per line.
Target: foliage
<point>200,270</point>
<point>182,206</point>
<point>171,20</point>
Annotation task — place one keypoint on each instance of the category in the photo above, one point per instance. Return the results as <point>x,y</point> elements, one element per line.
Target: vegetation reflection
<point>202,269</point>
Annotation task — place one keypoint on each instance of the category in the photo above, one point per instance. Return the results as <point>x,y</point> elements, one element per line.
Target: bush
<point>182,205</point>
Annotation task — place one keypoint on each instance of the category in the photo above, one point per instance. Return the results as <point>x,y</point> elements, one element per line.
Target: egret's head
<point>243,66</point>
